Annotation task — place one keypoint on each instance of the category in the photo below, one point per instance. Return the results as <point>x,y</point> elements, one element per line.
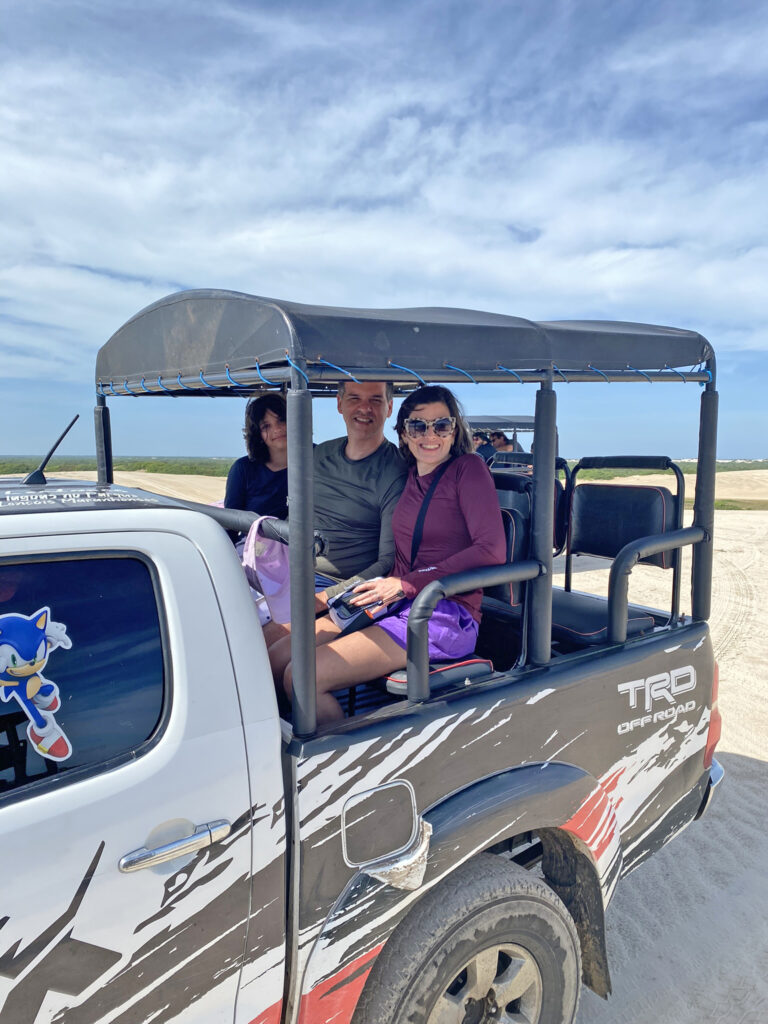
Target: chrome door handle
<point>204,835</point>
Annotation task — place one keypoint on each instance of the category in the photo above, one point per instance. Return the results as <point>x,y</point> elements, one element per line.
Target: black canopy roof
<point>501,422</point>
<point>216,341</point>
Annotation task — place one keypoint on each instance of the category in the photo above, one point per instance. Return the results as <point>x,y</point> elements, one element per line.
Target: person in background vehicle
<point>462,529</point>
<point>482,445</point>
<point>501,442</point>
<point>258,482</point>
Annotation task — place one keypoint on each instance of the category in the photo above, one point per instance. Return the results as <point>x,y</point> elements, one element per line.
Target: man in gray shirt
<point>358,481</point>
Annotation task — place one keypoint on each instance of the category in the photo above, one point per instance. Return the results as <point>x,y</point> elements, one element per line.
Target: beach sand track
<point>688,931</point>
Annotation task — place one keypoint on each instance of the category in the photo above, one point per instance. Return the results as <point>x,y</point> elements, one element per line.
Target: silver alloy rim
<point>501,983</point>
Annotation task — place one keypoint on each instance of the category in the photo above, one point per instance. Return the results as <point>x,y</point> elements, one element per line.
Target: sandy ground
<point>206,489</point>
<point>688,930</point>
<point>746,484</point>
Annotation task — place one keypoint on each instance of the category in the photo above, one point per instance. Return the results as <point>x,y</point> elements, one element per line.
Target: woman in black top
<point>258,482</point>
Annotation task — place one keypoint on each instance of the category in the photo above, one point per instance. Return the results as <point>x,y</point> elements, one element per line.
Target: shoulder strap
<point>419,527</point>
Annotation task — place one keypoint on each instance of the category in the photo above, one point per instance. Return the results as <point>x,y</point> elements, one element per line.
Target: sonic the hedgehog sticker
<point>25,643</point>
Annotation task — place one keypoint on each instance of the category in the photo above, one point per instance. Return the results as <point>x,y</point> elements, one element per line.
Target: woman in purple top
<point>259,481</point>
<point>462,529</point>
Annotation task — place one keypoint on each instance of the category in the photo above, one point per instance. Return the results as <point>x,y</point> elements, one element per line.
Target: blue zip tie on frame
<point>594,369</point>
<point>161,385</point>
<point>213,387</point>
<point>558,370</point>
<point>178,381</point>
<point>272,383</point>
<point>144,387</point>
<point>112,389</point>
<point>701,368</point>
<point>232,380</point>
<point>297,368</point>
<point>506,369</point>
<point>450,366</point>
<point>100,389</point>
<point>641,372</point>
<point>339,368</point>
<point>134,394</point>
<point>666,366</point>
<point>407,369</point>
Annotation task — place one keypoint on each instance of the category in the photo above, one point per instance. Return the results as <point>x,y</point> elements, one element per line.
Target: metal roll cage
<point>301,376</point>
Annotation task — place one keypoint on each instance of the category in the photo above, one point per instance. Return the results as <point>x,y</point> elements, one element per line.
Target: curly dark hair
<point>462,442</point>
<point>272,401</point>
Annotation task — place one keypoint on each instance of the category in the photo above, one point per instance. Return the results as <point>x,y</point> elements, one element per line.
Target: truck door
<point>127,819</point>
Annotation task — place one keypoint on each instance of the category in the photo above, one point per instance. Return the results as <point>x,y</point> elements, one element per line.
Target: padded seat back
<point>515,491</point>
<point>605,517</point>
<point>561,516</point>
<point>517,533</point>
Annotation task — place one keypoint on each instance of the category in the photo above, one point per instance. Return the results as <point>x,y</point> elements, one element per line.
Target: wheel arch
<point>572,815</point>
<point>568,810</point>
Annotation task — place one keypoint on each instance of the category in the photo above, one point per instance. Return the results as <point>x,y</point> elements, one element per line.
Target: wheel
<point>490,943</point>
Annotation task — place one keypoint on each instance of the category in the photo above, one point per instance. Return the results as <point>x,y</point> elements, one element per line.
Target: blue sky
<point>549,160</point>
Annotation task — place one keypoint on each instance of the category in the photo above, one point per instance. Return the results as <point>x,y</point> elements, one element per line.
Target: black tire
<point>490,943</point>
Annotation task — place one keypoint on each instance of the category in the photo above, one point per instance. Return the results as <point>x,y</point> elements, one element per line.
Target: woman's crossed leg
<point>342,661</point>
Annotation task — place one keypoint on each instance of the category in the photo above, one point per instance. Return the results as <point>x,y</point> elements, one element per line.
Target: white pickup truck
<point>173,850</point>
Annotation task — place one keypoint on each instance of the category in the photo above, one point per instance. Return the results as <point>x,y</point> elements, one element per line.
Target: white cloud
<point>575,160</point>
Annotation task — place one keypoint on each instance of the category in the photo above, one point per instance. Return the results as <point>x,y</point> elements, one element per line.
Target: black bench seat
<point>578,619</point>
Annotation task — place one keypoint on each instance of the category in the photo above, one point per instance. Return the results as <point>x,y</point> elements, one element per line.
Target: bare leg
<point>279,650</point>
<point>274,631</point>
<point>356,658</point>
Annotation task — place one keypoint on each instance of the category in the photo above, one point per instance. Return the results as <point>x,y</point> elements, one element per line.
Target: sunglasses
<point>443,427</point>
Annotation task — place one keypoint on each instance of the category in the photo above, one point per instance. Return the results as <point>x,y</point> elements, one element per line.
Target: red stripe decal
<point>335,998</point>
<point>594,822</point>
<point>270,1015</point>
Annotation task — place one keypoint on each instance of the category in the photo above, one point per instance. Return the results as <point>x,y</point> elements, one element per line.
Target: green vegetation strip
<point>736,504</point>
<point>195,467</point>
<point>688,468</point>
<point>220,467</point>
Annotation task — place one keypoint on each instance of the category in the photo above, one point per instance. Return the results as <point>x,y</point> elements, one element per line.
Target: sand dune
<point>745,484</point>
<point>748,484</point>
<point>206,489</point>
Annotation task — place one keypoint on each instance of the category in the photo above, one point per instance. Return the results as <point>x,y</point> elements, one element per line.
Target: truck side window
<point>82,681</point>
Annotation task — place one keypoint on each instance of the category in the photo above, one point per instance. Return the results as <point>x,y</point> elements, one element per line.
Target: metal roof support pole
<point>300,524</point>
<point>543,524</point>
<point>103,430</point>
<point>704,504</point>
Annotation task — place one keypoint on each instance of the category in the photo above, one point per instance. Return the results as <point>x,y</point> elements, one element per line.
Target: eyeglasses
<point>443,427</point>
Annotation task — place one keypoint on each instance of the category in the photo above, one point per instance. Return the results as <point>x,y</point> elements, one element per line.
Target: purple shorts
<point>452,630</point>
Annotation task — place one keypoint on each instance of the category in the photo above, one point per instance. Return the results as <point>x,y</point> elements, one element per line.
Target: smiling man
<point>358,480</point>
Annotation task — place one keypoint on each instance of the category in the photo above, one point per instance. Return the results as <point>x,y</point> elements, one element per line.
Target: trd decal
<point>25,643</point>
<point>664,686</point>
<point>69,966</point>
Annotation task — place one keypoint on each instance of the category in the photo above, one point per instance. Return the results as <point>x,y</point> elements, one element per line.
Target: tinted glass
<point>81,666</point>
